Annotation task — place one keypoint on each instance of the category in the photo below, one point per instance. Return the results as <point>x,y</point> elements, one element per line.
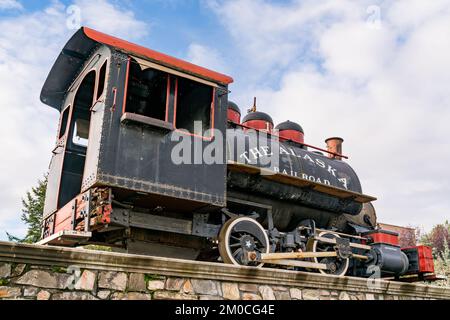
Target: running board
<point>67,238</point>
<point>299,182</point>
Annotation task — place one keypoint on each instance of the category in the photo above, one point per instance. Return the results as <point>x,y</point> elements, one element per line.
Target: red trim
<point>126,87</point>
<point>259,125</point>
<point>212,111</point>
<point>167,98</point>
<point>175,103</point>
<point>157,56</point>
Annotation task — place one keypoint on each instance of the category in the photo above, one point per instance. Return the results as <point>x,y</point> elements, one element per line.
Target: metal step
<point>68,238</point>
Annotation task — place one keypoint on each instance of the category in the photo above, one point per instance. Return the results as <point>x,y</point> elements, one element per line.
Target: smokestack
<point>334,145</point>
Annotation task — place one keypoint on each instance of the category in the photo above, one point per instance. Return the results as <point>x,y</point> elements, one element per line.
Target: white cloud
<point>103,15</point>
<point>29,44</point>
<point>10,5</point>
<point>274,35</point>
<point>206,57</point>
<point>385,90</point>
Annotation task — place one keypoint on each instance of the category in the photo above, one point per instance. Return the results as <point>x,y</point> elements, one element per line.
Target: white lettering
<point>283,151</point>
<point>244,155</point>
<point>332,170</point>
<point>265,150</point>
<point>256,153</point>
<point>321,163</point>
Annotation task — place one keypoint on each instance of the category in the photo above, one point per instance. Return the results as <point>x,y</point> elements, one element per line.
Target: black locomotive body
<point>152,158</point>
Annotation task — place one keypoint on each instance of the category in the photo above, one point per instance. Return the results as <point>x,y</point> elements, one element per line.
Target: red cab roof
<point>156,56</point>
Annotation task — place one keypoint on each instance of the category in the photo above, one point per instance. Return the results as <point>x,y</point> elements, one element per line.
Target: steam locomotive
<point>151,158</point>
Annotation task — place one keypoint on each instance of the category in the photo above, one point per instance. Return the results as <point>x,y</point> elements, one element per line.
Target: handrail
<point>303,144</point>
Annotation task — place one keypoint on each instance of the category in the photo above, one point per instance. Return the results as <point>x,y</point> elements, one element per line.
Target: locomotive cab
<point>121,118</point>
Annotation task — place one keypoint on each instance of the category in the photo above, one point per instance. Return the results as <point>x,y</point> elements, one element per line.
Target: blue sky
<point>181,21</point>
<point>374,72</point>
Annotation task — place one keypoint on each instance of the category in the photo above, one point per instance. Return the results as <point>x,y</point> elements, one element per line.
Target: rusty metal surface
<point>334,147</point>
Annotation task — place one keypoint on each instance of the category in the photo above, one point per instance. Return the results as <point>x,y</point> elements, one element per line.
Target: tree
<point>438,238</point>
<point>408,236</point>
<point>442,266</point>
<point>32,211</point>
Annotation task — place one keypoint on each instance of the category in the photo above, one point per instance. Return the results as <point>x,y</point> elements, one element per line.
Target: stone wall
<point>43,273</point>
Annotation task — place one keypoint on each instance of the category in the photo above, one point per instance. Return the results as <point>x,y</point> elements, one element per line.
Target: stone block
<point>266,293</point>
<point>30,291</point>
<point>344,296</point>
<point>131,296</point>
<point>174,284</point>
<point>187,287</point>
<point>103,294</point>
<point>86,281</point>
<point>18,270</point>
<point>153,285</point>
<point>170,295</point>
<point>207,287</point>
<point>43,295</point>
<point>230,291</point>
<point>45,279</point>
<point>112,280</point>
<point>282,295</point>
<point>280,288</point>
<point>73,295</point>
<point>137,282</point>
<point>10,292</point>
<point>249,287</point>
<point>5,270</point>
<point>310,294</point>
<point>296,294</point>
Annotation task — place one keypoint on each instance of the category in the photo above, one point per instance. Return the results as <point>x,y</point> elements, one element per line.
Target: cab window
<point>64,120</point>
<point>147,91</point>
<point>194,106</point>
<point>101,80</point>
<point>81,132</point>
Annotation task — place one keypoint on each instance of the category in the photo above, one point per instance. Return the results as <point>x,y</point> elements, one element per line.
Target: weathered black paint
<point>290,204</point>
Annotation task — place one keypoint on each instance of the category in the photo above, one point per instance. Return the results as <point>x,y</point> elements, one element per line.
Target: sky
<point>376,73</point>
